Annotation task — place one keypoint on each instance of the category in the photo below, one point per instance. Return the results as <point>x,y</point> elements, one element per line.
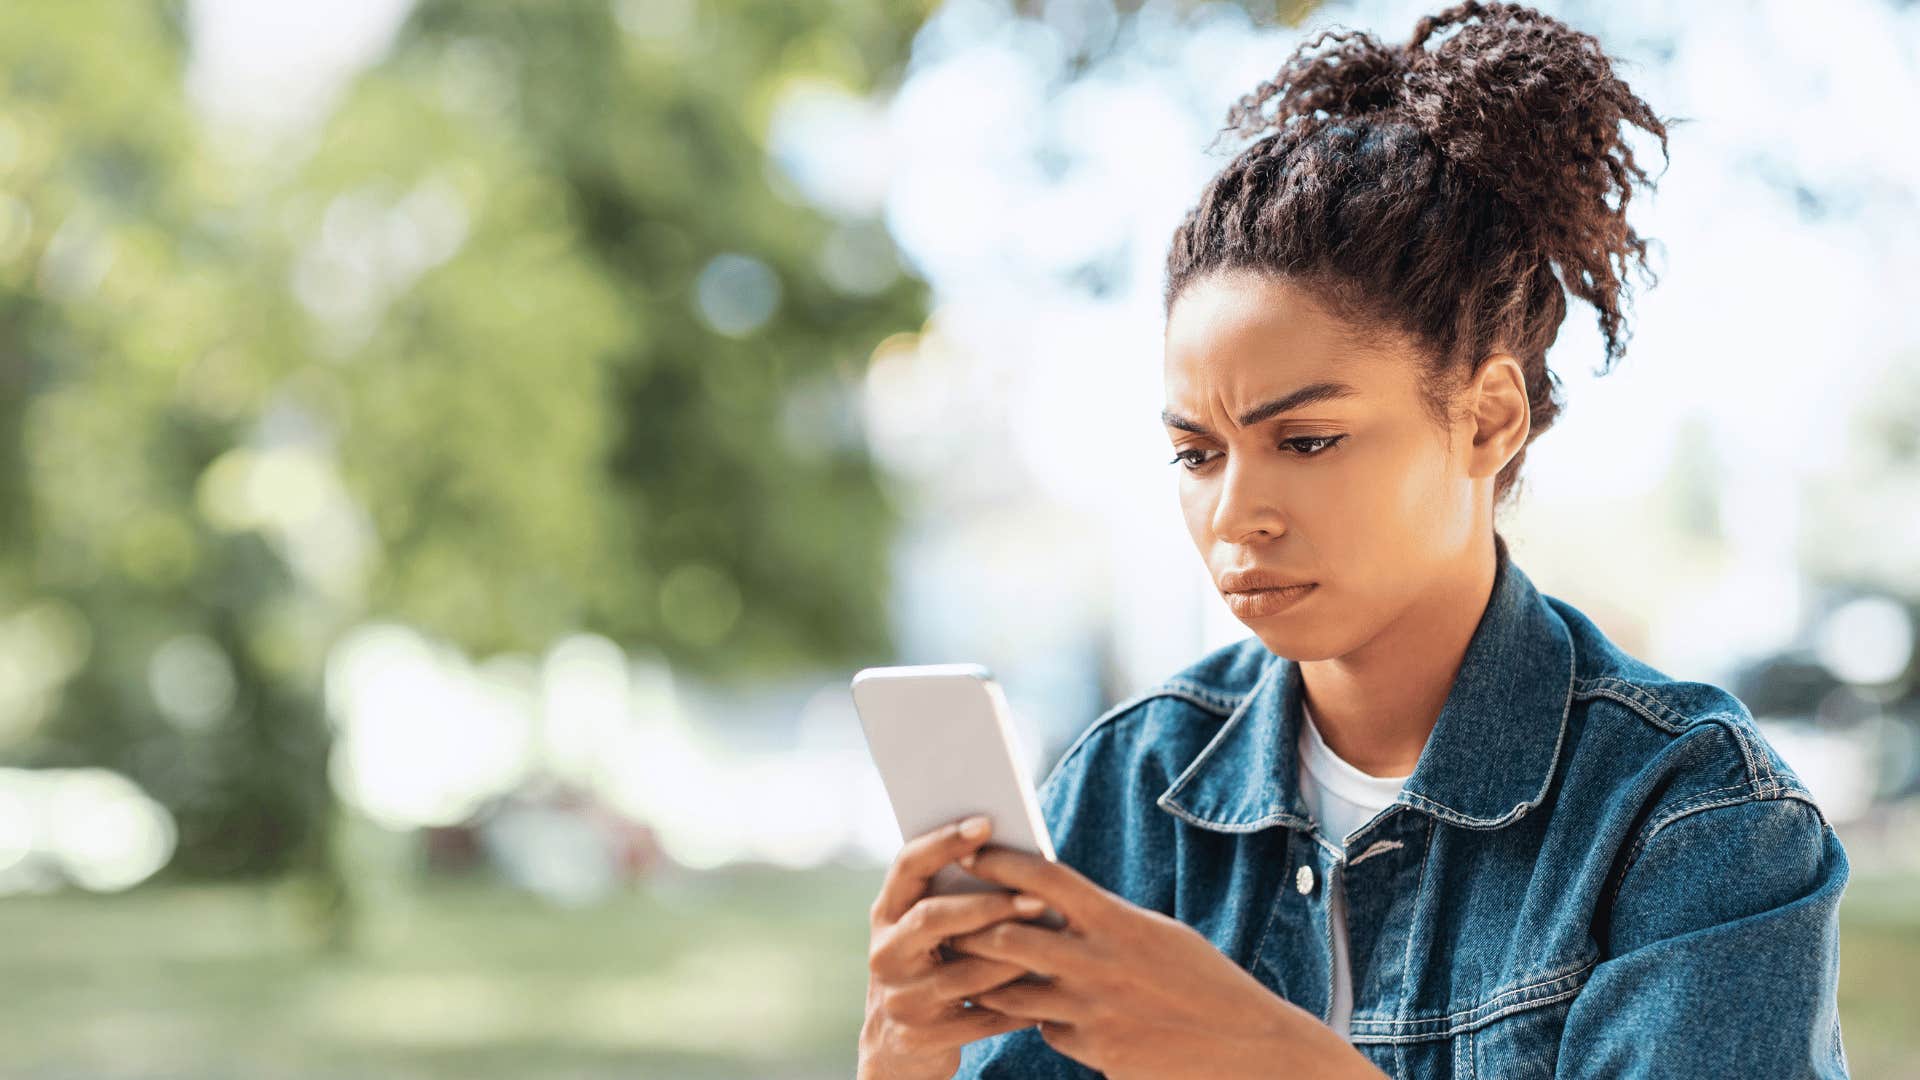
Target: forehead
<point>1245,331</point>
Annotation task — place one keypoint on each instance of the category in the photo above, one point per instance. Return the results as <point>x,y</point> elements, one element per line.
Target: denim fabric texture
<point>1595,870</point>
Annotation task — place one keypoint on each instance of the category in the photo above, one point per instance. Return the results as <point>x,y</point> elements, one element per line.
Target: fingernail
<point>967,860</point>
<point>974,827</point>
<point>1029,905</point>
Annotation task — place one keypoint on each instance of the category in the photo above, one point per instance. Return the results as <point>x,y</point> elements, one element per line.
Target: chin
<point>1297,643</point>
<point>1310,630</point>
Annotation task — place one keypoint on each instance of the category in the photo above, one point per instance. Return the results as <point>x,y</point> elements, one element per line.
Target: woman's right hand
<point>916,1022</point>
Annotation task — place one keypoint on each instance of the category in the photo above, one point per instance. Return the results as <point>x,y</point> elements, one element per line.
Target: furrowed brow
<point>1311,394</point>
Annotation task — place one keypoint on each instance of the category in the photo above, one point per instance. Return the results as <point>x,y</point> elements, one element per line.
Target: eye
<point>1192,459</point>
<point>1312,445</point>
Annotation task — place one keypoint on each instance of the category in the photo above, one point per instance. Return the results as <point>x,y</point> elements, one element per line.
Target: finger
<point>1062,1037</point>
<point>934,917</point>
<point>969,976</point>
<point>1032,1002</point>
<point>964,1025</point>
<point>919,859</point>
<point>1064,889</point>
<point>947,987</point>
<point>909,947</point>
<point>1039,950</point>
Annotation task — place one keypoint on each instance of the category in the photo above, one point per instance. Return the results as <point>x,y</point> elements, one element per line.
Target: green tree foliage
<point>132,356</point>
<point>450,364</point>
<point>549,412</point>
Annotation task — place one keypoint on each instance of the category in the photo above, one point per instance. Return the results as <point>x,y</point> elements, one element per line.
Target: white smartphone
<point>946,749</point>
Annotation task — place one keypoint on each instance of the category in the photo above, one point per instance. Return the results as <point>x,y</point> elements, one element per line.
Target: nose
<point>1246,506</point>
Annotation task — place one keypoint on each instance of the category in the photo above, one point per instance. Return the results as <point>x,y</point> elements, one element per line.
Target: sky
<point>268,70</point>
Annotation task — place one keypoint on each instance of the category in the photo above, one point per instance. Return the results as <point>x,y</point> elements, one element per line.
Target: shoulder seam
<point>1658,713</point>
<point>1635,697</point>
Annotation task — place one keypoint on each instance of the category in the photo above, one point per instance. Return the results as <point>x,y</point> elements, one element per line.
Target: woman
<point>1426,821</point>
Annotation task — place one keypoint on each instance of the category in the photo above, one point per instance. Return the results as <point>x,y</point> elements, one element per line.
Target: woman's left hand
<point>1135,993</point>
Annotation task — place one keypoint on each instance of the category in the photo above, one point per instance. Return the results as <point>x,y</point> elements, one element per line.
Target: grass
<point>1879,992</point>
<point>751,973</point>
<point>757,973</point>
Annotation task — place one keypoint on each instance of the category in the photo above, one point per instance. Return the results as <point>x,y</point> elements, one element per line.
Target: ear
<point>1500,417</point>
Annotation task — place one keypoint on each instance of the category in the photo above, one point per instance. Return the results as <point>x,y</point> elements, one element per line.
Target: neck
<point>1376,705</point>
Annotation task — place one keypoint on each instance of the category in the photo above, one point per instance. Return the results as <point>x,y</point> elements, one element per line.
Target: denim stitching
<point>1114,714</point>
<point>1693,804</point>
<point>1333,849</point>
<point>1463,1055</point>
<point>1673,721</point>
<point>1639,698</point>
<point>1378,847</point>
<point>1326,893</point>
<point>1755,772</point>
<point>1215,700</point>
<point>1273,913</point>
<point>1413,931</point>
<point>1547,976</point>
<point>1683,809</point>
<point>1230,827</point>
<point>1472,1025</point>
<point>1546,979</point>
<point>1764,778</point>
<point>1757,756</point>
<point>1802,796</point>
<point>1641,701</point>
<point>1546,782</point>
<point>1546,993</point>
<point>1166,801</point>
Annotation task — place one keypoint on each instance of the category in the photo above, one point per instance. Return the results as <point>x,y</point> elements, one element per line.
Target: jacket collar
<point>1489,759</point>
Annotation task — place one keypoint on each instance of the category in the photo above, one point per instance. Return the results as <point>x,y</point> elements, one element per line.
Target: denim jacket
<point>1595,870</point>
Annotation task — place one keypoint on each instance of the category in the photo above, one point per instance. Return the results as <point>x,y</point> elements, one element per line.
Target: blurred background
<point>454,455</point>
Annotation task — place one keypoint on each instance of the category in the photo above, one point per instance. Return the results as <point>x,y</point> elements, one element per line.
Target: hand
<point>916,1023</point>
<point>1136,993</point>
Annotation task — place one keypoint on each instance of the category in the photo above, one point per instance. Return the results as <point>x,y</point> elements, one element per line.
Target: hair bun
<point>1514,102</point>
<point>1529,107</point>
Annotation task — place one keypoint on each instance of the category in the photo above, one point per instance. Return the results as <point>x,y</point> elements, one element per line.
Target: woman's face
<point>1312,460</point>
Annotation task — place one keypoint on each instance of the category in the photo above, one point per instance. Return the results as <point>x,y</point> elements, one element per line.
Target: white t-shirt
<point>1341,798</point>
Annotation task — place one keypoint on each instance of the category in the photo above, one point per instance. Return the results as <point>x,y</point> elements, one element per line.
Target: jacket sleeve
<point>1721,952</point>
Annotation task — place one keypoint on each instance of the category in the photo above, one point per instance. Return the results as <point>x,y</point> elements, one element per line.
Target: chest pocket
<point>1513,1034</point>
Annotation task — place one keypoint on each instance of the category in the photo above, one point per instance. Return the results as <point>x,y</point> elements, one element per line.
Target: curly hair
<point>1453,195</point>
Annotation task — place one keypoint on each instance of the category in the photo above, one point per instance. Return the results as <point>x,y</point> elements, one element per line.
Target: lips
<point>1255,592</point>
<point>1258,603</point>
<point>1257,580</point>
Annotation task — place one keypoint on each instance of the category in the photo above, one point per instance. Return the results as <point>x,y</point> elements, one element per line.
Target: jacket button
<point>1303,879</point>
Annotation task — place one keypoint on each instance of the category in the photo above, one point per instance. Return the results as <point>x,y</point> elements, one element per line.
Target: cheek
<point>1197,498</point>
<point>1375,510</point>
<point>1407,505</point>
<point>1314,499</point>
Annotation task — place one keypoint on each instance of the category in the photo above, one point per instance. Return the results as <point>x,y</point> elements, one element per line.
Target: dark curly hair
<point>1452,195</point>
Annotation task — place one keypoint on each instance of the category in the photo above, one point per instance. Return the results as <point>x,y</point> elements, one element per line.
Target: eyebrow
<point>1311,394</point>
